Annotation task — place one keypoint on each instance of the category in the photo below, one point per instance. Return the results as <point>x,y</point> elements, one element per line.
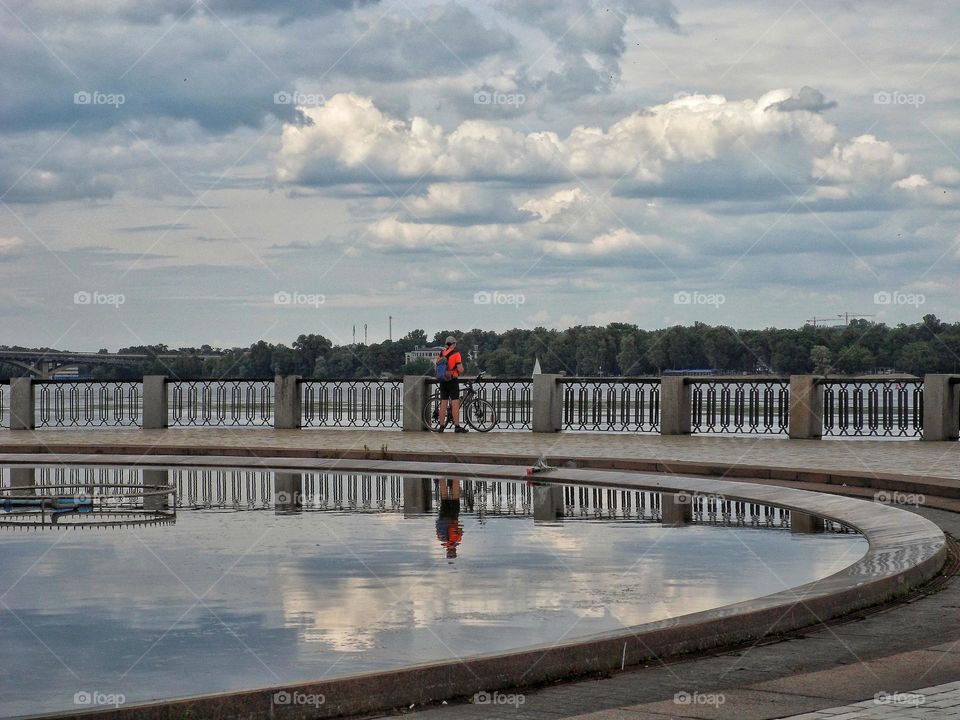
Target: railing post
<point>22,404</point>
<point>547,404</point>
<point>286,402</point>
<point>676,509</point>
<point>414,401</point>
<point>941,407</point>
<point>806,408</point>
<point>675,405</point>
<point>156,410</point>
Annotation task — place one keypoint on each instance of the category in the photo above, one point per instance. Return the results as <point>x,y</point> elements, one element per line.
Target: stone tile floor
<point>940,701</point>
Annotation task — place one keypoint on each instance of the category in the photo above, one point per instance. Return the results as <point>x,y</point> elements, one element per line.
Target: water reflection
<point>449,528</point>
<point>307,575</point>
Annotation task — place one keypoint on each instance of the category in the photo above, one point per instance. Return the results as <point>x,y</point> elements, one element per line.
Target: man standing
<point>450,387</point>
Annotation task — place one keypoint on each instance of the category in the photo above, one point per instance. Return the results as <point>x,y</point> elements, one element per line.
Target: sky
<point>225,171</point>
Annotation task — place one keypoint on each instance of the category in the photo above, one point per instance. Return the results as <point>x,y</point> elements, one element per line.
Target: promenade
<point>857,667</point>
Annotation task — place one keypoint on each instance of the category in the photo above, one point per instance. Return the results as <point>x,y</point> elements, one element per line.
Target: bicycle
<point>474,410</point>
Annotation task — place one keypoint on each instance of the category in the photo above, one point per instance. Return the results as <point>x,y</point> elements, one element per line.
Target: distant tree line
<point>861,347</point>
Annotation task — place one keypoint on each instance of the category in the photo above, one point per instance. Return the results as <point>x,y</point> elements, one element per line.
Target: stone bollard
<point>414,401</point>
<point>286,408</point>
<point>941,407</point>
<point>154,478</point>
<point>676,406</point>
<point>287,492</point>
<point>547,404</point>
<point>806,407</point>
<point>804,524</point>
<point>676,509</point>
<point>23,479</point>
<point>156,406</point>
<point>417,496</point>
<point>547,502</point>
<point>22,404</point>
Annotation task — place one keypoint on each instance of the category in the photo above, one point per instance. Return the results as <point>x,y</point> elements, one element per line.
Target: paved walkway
<point>939,459</point>
<point>941,702</point>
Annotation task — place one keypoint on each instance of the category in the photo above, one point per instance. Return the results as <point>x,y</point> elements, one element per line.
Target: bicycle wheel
<point>480,415</point>
<point>431,412</point>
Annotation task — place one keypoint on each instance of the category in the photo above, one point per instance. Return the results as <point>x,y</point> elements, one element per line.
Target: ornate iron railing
<point>88,403</point>
<point>608,403</point>
<point>759,406</point>
<point>351,403</point>
<point>512,399</point>
<point>225,402</point>
<point>873,408</point>
<point>4,405</point>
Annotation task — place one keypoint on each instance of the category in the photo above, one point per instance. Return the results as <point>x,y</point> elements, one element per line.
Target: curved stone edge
<point>904,550</point>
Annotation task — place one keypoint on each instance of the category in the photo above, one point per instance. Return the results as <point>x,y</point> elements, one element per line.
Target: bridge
<point>42,363</point>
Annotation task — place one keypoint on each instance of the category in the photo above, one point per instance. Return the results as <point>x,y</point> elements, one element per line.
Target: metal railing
<point>88,403</point>
<point>351,403</point>
<point>757,406</point>
<point>611,403</point>
<point>512,398</point>
<point>225,402</point>
<point>873,408</point>
<point>4,405</point>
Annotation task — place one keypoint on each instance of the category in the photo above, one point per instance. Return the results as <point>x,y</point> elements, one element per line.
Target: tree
<point>916,358</point>
<point>855,359</point>
<point>820,358</point>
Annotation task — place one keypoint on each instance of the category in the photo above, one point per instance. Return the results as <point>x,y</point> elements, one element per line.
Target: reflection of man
<point>449,529</point>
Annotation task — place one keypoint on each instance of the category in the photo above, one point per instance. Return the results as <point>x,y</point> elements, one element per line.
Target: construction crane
<point>856,316</point>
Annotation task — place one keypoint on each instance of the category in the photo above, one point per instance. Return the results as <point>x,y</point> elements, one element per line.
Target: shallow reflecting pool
<point>237,579</point>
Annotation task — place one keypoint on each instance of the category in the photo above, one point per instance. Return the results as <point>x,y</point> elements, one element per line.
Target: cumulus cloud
<point>808,99</point>
<point>11,247</point>
<point>350,140</point>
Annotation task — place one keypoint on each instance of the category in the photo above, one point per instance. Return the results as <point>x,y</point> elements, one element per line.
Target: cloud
<point>11,247</point>
<point>808,99</point>
<point>350,140</point>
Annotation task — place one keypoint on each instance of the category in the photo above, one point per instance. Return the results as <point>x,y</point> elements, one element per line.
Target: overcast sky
<point>232,170</point>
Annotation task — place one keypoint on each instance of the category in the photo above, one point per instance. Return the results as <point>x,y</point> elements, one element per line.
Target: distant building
<point>430,353</point>
<point>419,353</point>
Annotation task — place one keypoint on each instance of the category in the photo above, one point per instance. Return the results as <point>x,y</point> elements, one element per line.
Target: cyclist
<point>449,527</point>
<point>450,389</point>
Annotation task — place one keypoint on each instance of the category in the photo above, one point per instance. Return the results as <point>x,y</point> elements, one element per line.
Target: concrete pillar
<point>676,509</point>
<point>675,405</point>
<point>156,411</point>
<point>286,402</point>
<point>806,408</point>
<point>417,496</point>
<point>287,492</point>
<point>22,404</point>
<point>547,404</point>
<point>547,502</point>
<point>805,524</point>
<point>415,395</point>
<point>154,478</point>
<point>941,407</point>
<point>24,479</point>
